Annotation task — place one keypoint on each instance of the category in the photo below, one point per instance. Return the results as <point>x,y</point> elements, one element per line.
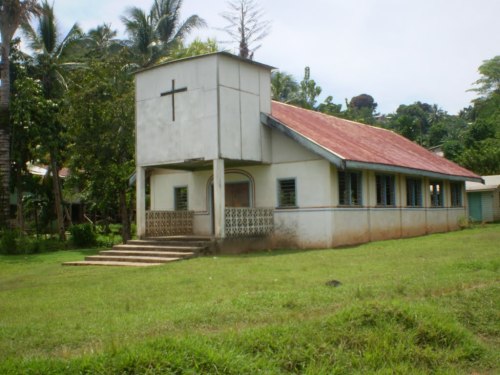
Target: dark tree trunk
<point>124,216</point>
<point>4,167</point>
<point>19,198</point>
<point>4,134</point>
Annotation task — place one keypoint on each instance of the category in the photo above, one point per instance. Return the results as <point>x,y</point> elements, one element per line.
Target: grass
<point>420,305</point>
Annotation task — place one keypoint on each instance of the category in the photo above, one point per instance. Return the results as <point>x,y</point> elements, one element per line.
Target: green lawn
<point>420,305</point>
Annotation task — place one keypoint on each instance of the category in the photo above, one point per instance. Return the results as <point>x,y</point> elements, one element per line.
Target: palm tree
<point>51,55</point>
<point>102,40</point>
<point>284,88</point>
<point>12,14</point>
<point>153,35</point>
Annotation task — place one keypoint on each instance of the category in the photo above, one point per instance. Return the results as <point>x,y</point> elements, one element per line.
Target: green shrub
<point>9,241</point>
<point>83,235</point>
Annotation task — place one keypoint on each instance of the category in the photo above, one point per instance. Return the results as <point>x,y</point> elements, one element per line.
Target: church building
<point>225,161</point>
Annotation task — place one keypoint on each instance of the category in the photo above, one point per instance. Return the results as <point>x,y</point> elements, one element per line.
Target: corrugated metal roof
<point>359,144</point>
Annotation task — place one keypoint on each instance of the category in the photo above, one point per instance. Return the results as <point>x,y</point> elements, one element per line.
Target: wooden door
<point>237,194</point>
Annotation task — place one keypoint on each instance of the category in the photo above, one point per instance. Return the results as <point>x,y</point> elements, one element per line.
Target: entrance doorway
<point>237,192</point>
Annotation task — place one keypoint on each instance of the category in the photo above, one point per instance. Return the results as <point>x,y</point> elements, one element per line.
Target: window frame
<point>347,200</point>
<point>387,185</point>
<point>436,200</point>
<point>279,193</point>
<point>414,192</point>
<point>456,194</point>
<point>176,198</point>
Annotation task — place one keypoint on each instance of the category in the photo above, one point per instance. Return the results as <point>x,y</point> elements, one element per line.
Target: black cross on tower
<point>173,92</point>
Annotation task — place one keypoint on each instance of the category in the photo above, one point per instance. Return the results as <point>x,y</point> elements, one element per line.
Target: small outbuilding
<point>224,160</point>
<point>484,199</point>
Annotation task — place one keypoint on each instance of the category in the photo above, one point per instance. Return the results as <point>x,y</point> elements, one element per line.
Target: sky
<point>398,51</point>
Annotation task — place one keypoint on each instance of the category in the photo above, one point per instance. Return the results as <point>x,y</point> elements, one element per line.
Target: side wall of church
<point>317,221</point>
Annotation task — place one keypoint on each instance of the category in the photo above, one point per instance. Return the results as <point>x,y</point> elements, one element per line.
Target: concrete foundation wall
<point>413,222</point>
<point>385,223</point>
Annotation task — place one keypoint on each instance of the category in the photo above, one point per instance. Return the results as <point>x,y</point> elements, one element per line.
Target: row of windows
<point>350,192</point>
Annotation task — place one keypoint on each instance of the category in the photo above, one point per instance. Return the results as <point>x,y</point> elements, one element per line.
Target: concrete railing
<point>249,222</point>
<point>169,223</point>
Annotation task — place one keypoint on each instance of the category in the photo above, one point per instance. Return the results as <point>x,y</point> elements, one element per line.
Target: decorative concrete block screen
<point>247,222</point>
<point>169,223</point>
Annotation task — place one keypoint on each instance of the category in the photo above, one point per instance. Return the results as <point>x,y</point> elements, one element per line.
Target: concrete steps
<point>148,252</point>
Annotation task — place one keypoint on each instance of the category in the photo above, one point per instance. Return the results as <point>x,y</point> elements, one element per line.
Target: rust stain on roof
<point>357,142</point>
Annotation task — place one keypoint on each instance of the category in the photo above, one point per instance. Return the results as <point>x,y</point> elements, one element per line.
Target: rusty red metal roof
<point>364,144</point>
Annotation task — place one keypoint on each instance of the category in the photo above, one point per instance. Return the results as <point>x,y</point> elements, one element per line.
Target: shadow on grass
<point>271,253</point>
<point>54,256</point>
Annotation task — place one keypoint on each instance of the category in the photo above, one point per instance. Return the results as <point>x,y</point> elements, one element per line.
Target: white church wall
<point>437,220</point>
<point>251,144</point>
<point>350,226</point>
<point>309,225</point>
<point>265,107</point>
<point>229,73</point>
<point>317,222</point>
<point>162,185</point>
<point>303,228</point>
<point>413,222</point>
<point>385,223</point>
<point>240,94</point>
<point>217,116</point>
<point>230,123</point>
<point>161,140</point>
<point>285,150</point>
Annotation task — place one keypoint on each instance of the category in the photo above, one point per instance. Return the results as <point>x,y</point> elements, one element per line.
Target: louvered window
<point>385,190</point>
<point>287,196</point>
<point>436,193</point>
<point>349,188</point>
<point>413,192</point>
<point>181,198</point>
<point>456,194</point>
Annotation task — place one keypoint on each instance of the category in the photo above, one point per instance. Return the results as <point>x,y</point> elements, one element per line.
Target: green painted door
<point>475,209</point>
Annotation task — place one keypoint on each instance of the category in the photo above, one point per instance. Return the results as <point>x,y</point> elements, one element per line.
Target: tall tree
<point>308,91</point>
<point>330,108</point>
<point>102,107</point>
<point>30,113</point>
<point>412,121</point>
<point>102,41</point>
<point>482,138</point>
<point>154,34</point>
<point>12,14</point>
<point>51,55</point>
<point>246,26</point>
<point>361,108</point>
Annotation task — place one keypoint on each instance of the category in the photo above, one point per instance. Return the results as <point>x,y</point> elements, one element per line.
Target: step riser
<point>102,263</point>
<point>158,248</point>
<point>100,258</point>
<point>178,238</point>
<point>169,243</point>
<point>161,254</point>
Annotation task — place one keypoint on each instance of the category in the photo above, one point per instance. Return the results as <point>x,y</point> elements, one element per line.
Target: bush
<point>9,241</point>
<point>83,235</point>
